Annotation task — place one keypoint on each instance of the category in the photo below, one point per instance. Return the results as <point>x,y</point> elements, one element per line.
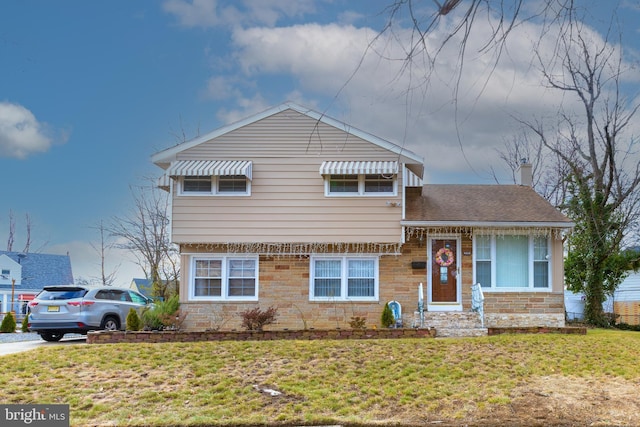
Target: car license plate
<point>53,308</point>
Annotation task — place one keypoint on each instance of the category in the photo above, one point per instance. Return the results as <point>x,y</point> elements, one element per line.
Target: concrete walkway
<point>21,346</point>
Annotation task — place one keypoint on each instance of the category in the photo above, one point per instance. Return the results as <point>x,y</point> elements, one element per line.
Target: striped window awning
<point>411,179</point>
<point>210,168</point>
<point>358,167</point>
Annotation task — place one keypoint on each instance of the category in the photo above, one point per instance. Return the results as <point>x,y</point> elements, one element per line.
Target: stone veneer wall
<point>506,309</point>
<point>284,284</point>
<point>523,320</point>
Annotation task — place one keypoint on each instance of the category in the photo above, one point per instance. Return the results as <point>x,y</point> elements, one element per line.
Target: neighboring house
<point>293,209</point>
<point>625,303</point>
<point>23,275</point>
<point>144,286</point>
<point>626,300</point>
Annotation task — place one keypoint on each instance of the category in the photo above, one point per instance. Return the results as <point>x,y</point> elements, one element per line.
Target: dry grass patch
<point>510,379</point>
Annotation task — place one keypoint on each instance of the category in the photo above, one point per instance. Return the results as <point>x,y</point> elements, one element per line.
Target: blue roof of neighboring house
<point>144,286</point>
<point>40,270</point>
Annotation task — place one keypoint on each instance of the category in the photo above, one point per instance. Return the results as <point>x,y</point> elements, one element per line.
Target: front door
<point>444,268</point>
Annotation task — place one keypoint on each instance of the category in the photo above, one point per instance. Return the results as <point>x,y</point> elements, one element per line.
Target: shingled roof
<point>39,270</point>
<point>477,205</point>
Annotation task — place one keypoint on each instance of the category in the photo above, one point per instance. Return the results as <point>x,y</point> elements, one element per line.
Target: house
<point>293,209</point>
<point>23,275</point>
<point>143,286</point>
<point>625,302</point>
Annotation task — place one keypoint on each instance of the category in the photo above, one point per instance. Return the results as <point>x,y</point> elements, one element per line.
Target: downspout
<point>404,202</point>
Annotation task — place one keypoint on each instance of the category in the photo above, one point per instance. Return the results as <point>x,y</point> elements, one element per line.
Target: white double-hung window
<point>224,278</point>
<point>343,279</point>
<point>512,262</point>
<point>212,177</point>
<point>223,185</point>
<point>360,185</point>
<point>360,178</point>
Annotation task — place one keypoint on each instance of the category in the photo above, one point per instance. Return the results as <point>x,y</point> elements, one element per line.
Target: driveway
<point>16,343</point>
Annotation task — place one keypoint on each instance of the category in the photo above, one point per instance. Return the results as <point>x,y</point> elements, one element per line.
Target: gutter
<point>492,224</point>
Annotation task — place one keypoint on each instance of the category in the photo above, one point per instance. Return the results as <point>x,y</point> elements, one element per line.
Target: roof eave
<point>491,224</point>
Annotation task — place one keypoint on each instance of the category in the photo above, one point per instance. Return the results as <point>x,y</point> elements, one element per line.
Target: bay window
<point>343,278</point>
<point>512,262</point>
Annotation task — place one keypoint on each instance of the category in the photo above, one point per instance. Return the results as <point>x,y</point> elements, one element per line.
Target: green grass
<point>359,381</point>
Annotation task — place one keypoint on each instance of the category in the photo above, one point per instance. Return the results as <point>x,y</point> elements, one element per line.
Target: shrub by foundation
<point>255,319</point>
<point>133,320</point>
<point>387,318</point>
<point>164,315</point>
<point>358,322</point>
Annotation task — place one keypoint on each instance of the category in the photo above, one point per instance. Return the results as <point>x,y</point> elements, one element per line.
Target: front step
<point>452,323</point>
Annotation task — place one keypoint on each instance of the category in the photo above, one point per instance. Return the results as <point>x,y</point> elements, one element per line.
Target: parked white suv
<point>59,310</point>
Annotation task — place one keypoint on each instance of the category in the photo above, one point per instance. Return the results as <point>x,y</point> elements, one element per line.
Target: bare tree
<point>145,233</point>
<point>12,231</point>
<point>603,169</point>
<point>549,170</point>
<point>103,249</point>
<point>460,18</point>
<point>27,244</point>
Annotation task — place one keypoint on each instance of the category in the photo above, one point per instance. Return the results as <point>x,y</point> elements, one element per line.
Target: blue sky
<point>90,90</point>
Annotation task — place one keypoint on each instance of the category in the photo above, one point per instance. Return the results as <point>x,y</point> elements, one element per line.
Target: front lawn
<point>508,379</point>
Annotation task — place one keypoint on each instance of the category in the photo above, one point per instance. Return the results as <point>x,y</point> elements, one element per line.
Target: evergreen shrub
<point>163,315</point>
<point>133,320</point>
<point>25,324</point>
<point>8,324</point>
<point>387,318</point>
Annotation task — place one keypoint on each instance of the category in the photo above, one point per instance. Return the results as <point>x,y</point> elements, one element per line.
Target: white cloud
<point>245,107</point>
<point>21,135</point>
<point>214,13</point>
<point>315,54</point>
<point>195,13</point>
<point>221,87</point>
<point>269,12</point>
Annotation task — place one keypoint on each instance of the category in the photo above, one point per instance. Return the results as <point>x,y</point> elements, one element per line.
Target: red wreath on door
<point>444,257</point>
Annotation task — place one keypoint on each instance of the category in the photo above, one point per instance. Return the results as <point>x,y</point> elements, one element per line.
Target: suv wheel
<point>110,323</point>
<point>51,336</point>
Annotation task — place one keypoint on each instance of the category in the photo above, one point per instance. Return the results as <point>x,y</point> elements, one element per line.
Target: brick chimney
<point>524,174</point>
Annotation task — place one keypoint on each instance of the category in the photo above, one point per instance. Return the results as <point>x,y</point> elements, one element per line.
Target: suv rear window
<point>61,294</point>
<point>113,294</point>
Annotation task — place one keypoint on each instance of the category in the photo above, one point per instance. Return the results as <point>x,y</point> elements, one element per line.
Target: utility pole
<point>13,287</point>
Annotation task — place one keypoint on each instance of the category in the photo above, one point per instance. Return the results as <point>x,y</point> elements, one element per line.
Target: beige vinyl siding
<point>287,135</point>
<point>287,201</point>
<point>557,264</point>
